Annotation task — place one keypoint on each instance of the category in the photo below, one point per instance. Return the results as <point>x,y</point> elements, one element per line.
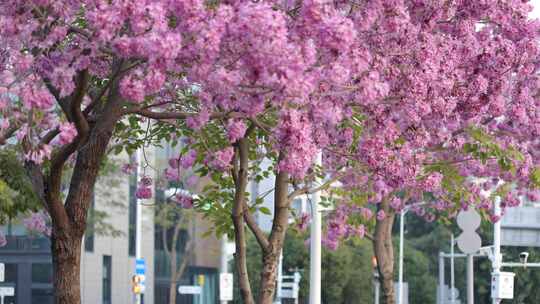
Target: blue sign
<point>140,267</point>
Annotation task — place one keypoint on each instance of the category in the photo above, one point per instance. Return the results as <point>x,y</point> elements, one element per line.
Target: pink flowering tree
<point>448,108</point>
<point>401,96</point>
<point>72,72</point>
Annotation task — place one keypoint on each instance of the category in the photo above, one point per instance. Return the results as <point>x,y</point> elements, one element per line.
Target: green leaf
<point>265,210</point>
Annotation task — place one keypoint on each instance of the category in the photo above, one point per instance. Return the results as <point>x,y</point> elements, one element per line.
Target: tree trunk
<point>241,167</point>
<point>172,286</point>
<point>268,277</point>
<point>66,256</point>
<point>384,251</point>
<point>277,236</point>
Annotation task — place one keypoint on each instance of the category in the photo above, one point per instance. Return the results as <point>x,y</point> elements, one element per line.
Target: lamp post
<point>315,245</point>
<point>401,233</point>
<point>376,281</point>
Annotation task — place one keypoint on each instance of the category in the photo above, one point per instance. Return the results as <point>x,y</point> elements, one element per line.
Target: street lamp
<point>376,280</point>
<point>401,232</point>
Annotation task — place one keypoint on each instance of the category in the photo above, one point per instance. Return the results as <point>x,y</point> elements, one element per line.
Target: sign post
<point>226,286</point>
<point>6,292</point>
<point>469,242</point>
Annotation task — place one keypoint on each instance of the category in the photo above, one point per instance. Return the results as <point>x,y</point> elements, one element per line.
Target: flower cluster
<point>37,223</point>
<point>144,190</point>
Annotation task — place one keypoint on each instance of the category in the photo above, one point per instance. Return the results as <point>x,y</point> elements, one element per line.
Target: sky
<point>536,11</point>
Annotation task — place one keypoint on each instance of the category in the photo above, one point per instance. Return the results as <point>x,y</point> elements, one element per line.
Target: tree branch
<point>7,134</point>
<point>307,190</point>
<point>255,229</point>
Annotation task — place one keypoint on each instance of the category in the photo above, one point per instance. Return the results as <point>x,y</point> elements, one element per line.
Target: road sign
<point>469,241</point>
<point>2,272</point>
<point>140,267</point>
<point>7,291</point>
<point>186,289</point>
<point>140,271</point>
<point>225,286</point>
<point>520,226</point>
<point>502,285</point>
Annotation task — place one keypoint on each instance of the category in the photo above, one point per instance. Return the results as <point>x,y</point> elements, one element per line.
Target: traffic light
<point>200,279</point>
<point>136,284</point>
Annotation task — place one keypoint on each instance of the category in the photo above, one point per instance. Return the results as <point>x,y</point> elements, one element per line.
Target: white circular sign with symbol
<point>469,241</point>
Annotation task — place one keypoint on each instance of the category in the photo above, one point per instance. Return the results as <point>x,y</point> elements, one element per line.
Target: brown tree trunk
<point>277,236</point>
<point>241,166</point>
<point>384,251</point>
<point>66,256</point>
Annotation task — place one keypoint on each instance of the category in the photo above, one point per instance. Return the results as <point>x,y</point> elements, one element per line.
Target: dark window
<point>10,274</point>
<point>42,296</point>
<point>132,210</point>
<point>90,227</point>
<point>42,273</point>
<point>107,280</point>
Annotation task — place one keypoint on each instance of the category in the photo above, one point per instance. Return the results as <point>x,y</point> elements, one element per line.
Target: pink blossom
<point>381,215</point>
<point>37,223</point>
<point>174,162</point>
<point>396,203</point>
<point>145,181</point>
<point>39,155</point>
<point>236,130</point>
<point>143,192</point>
<point>222,159</point>
<point>303,221</point>
<point>192,181</point>
<point>494,218</point>
<point>184,201</point>
<point>3,239</point>
<point>129,168</point>
<point>187,160</point>
<point>366,213</point>
<point>171,174</point>
<point>68,132</point>
<point>132,89</point>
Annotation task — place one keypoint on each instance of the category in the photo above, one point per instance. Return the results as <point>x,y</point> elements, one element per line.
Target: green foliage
<point>16,192</point>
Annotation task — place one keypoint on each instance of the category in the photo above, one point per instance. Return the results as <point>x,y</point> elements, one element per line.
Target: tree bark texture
<point>66,254</point>
<point>384,251</point>
<point>241,178</point>
<point>277,235</point>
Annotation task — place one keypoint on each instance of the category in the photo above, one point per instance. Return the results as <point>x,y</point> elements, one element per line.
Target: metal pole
<point>315,245</point>
<point>441,279</point>
<point>470,279</point>
<point>224,259</point>
<point>496,241</point>
<point>377,292</point>
<point>279,279</point>
<point>138,222</point>
<point>452,282</point>
<point>401,232</point>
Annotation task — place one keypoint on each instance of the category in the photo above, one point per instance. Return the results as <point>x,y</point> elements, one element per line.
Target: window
<point>297,206</point>
<point>132,211</point>
<point>10,274</point>
<point>90,227</point>
<point>107,280</point>
<point>42,296</point>
<point>42,273</point>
